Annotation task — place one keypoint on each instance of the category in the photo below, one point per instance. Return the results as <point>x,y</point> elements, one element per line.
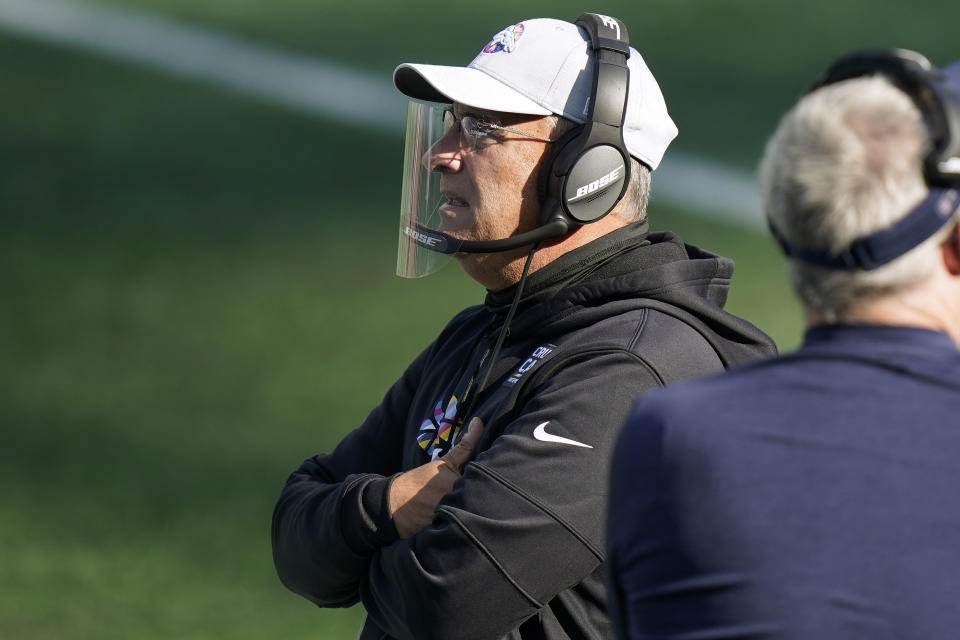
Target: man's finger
<point>458,456</point>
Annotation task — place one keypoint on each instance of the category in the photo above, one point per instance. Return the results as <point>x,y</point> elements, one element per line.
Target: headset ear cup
<point>549,182</point>
<point>595,183</point>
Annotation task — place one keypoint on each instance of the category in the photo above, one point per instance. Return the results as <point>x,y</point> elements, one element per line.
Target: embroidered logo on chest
<point>440,429</point>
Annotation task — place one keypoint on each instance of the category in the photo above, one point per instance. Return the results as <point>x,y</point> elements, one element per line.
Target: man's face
<point>490,185</point>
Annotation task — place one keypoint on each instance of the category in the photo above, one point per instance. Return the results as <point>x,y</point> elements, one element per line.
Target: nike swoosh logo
<point>540,433</point>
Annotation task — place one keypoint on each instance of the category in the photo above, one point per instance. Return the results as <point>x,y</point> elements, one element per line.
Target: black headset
<point>588,172</point>
<point>939,104</point>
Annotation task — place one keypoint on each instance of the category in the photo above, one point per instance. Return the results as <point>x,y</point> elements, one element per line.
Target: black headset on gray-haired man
<point>584,177</point>
<point>939,104</point>
<point>589,172</point>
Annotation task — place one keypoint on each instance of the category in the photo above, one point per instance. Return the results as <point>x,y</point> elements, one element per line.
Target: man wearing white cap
<point>470,502</point>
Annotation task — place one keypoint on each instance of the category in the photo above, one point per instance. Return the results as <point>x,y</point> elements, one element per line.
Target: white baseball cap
<point>541,67</point>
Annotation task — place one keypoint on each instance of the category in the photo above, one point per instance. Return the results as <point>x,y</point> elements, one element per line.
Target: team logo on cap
<point>506,40</point>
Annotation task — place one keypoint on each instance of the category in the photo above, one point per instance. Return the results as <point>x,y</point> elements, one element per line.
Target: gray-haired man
<point>531,168</point>
<point>813,495</point>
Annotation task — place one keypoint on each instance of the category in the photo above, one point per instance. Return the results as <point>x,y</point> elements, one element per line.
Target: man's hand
<point>414,495</point>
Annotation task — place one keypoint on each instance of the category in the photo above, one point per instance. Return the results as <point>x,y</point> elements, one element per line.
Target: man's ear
<point>951,251</point>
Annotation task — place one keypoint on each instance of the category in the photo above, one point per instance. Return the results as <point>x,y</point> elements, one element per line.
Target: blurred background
<point>196,264</point>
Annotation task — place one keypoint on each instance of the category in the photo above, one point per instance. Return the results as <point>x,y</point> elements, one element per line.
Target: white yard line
<point>315,86</point>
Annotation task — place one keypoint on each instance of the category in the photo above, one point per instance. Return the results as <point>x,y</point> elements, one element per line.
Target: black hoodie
<point>516,549</point>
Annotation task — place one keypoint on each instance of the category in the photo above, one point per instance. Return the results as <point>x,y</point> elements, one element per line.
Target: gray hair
<point>633,207</point>
<point>845,162</point>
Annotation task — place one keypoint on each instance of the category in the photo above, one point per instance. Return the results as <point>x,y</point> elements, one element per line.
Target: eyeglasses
<point>475,131</point>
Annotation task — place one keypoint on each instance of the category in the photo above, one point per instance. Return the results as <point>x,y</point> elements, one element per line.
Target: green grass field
<point>197,293</point>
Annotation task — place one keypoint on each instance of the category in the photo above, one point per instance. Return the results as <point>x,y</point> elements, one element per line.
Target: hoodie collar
<point>592,260</point>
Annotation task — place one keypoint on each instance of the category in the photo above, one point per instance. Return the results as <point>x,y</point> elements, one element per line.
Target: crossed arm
<point>414,495</point>
<point>469,557</point>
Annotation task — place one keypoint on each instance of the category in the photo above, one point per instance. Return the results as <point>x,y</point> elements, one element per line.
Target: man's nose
<point>445,153</point>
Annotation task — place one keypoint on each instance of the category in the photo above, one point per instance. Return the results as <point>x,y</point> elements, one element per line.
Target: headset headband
<point>590,173</point>
<point>611,78</point>
<point>939,104</point>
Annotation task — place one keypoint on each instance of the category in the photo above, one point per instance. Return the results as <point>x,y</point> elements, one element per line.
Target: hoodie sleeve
<point>525,521</point>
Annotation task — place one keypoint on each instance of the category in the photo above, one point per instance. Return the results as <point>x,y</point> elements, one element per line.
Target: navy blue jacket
<point>813,496</point>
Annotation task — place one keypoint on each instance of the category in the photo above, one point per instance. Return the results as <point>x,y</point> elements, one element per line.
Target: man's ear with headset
<point>588,171</point>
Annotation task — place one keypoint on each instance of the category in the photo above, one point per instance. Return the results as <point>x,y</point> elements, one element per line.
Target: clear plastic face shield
<point>419,251</point>
<point>430,231</point>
